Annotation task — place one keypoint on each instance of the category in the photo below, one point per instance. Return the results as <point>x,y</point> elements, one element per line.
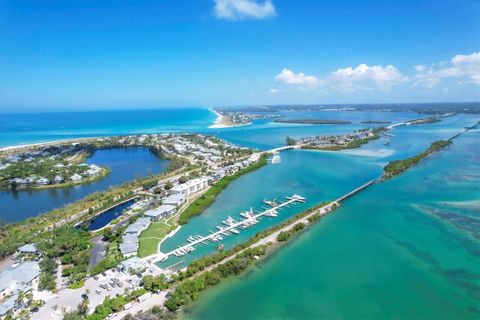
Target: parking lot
<point>96,289</point>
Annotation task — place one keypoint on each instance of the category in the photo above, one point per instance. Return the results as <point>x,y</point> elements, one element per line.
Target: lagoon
<point>125,163</point>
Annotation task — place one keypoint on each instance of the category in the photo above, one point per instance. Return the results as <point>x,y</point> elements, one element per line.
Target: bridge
<point>351,193</point>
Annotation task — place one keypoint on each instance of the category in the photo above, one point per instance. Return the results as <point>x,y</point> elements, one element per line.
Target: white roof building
<point>15,279</point>
<point>163,211</point>
<point>28,248</point>
<point>191,186</point>
<point>175,200</point>
<point>135,264</point>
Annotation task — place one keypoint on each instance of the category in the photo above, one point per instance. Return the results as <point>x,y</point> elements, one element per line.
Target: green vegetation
<point>48,269</point>
<point>154,284</point>
<point>199,205</point>
<point>398,166</point>
<point>285,235</point>
<point>150,238</point>
<point>351,145</point>
<point>290,141</point>
<point>72,248</point>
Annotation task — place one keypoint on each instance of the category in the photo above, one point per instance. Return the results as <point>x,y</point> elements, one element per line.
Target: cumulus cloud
<point>289,77</point>
<point>244,9</point>
<point>363,76</point>
<point>465,68</point>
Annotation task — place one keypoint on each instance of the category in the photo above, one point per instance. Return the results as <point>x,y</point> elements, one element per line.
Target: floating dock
<point>231,226</point>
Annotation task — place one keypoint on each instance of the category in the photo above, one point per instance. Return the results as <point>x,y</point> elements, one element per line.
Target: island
<point>312,121</point>
<point>41,167</point>
<point>339,142</point>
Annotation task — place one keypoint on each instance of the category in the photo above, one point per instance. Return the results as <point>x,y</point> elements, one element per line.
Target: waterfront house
<point>76,177</point>
<point>175,200</point>
<point>163,211</point>
<point>42,181</point>
<point>58,179</point>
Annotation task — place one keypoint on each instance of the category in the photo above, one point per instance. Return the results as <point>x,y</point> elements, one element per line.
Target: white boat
<point>276,159</point>
<point>233,230</point>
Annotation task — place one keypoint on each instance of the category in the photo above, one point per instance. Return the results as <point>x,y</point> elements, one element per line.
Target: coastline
<point>223,121</point>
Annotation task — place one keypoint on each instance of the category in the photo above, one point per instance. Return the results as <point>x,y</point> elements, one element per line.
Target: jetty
<point>231,227</point>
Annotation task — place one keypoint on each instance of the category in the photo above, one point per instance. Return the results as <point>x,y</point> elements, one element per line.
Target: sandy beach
<point>223,121</point>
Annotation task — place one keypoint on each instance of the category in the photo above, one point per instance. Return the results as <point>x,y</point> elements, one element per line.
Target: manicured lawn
<point>149,239</point>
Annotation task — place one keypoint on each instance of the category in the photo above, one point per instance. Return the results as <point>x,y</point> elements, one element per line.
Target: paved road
<point>98,251</point>
<point>157,299</point>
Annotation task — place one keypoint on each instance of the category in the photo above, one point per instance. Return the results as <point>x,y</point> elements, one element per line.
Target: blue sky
<point>129,54</point>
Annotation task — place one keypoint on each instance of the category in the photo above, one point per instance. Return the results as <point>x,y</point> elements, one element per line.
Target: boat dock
<point>231,227</point>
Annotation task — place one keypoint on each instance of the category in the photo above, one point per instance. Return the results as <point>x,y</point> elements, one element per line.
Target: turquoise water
<point>404,249</point>
<point>318,176</point>
<point>125,164</point>
<point>24,128</point>
<point>27,128</point>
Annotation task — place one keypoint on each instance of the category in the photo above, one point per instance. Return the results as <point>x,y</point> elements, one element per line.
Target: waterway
<point>405,248</point>
<point>125,163</point>
<point>106,217</point>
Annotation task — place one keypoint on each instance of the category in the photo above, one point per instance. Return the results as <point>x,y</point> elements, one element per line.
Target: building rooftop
<point>163,209</point>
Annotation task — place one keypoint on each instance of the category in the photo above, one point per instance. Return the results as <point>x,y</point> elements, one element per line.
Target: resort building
<point>133,264</point>
<point>18,278</point>
<point>175,200</point>
<point>165,210</point>
<point>191,186</point>
<point>138,226</point>
<point>129,245</point>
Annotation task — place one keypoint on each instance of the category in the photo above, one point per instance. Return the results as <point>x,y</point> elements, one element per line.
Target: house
<point>163,211</point>
<point>42,181</point>
<point>58,179</point>
<point>191,186</point>
<point>29,248</point>
<point>133,264</point>
<point>18,278</point>
<point>175,200</point>
<point>76,177</point>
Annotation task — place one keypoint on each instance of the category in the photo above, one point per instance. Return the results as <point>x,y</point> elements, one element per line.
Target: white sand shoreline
<point>223,122</point>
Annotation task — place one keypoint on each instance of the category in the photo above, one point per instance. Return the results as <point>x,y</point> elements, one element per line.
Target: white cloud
<point>465,68</point>
<point>363,76</point>
<point>273,91</point>
<point>289,77</point>
<point>420,68</point>
<point>244,9</point>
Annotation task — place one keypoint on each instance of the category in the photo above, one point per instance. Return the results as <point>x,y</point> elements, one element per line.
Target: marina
<point>230,227</point>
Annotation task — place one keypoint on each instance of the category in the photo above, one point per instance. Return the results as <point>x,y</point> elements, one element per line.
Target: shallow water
<point>382,254</point>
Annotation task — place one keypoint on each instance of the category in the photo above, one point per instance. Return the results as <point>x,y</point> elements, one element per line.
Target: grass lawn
<point>149,239</point>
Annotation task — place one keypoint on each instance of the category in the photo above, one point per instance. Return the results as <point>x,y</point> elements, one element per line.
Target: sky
<point>82,54</point>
